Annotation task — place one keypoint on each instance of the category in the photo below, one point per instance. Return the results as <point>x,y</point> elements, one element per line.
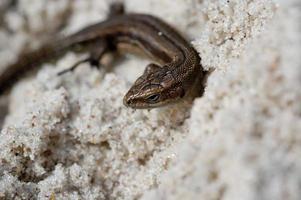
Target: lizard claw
<point>73,67</point>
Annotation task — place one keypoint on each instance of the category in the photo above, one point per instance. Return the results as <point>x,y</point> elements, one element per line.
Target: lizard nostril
<point>127,101</point>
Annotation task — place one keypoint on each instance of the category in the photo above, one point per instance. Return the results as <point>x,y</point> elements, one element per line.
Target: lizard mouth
<point>136,104</point>
<point>141,104</point>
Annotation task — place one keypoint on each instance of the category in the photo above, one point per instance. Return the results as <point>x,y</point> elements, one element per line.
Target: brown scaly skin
<point>173,78</point>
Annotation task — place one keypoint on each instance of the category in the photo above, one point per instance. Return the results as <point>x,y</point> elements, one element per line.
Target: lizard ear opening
<point>151,68</point>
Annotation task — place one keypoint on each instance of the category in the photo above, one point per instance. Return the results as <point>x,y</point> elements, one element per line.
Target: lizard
<point>175,73</point>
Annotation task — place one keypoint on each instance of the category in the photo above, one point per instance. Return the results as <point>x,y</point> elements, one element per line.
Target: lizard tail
<point>33,59</point>
<point>26,63</point>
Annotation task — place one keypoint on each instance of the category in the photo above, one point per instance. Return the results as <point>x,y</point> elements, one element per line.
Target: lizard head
<point>154,89</point>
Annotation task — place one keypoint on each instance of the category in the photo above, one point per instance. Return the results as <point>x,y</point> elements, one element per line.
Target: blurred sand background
<point>70,137</point>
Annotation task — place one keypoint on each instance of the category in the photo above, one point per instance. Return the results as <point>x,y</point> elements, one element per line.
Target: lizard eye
<point>153,98</point>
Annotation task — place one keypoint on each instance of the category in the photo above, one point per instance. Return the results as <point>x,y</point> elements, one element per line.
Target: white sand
<point>70,137</point>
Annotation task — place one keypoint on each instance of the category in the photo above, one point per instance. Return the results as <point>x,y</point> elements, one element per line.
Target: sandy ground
<point>70,137</point>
